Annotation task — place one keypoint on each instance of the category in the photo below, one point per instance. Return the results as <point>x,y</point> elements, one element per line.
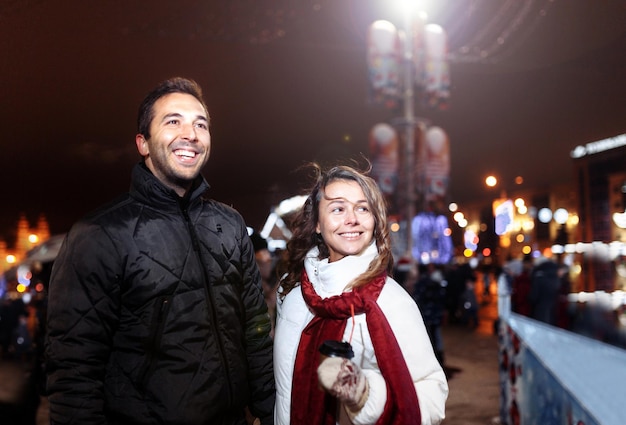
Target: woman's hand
<point>343,379</point>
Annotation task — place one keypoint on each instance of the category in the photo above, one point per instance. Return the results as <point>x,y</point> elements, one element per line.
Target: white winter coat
<point>330,279</point>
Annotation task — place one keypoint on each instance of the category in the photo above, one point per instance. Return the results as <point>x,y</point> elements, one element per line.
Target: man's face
<point>180,141</point>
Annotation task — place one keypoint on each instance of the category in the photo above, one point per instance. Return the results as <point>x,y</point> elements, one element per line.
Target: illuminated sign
<point>503,213</point>
<point>599,146</point>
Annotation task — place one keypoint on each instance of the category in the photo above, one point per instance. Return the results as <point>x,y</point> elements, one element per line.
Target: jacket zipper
<point>209,295</point>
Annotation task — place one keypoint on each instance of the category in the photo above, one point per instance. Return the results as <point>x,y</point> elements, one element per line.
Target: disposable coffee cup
<point>332,348</point>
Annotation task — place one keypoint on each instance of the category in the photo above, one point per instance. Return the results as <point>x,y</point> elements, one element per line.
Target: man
<point>544,290</point>
<point>156,314</point>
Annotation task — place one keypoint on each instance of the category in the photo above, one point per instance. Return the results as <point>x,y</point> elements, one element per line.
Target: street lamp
<point>491,181</point>
<point>397,68</point>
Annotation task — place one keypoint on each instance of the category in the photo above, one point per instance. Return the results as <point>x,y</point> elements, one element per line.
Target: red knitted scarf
<point>310,404</point>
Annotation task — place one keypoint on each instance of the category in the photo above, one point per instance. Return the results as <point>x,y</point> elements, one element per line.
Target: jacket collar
<point>330,279</point>
<point>148,189</point>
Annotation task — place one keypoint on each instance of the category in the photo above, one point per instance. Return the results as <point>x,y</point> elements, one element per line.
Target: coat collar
<point>331,278</point>
<point>149,190</point>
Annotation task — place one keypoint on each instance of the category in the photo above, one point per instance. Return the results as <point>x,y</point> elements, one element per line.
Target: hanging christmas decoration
<point>431,240</point>
<point>384,61</point>
<point>435,80</point>
<point>437,163</point>
<point>383,146</point>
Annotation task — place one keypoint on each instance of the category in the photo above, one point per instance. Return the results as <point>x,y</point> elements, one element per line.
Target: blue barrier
<point>552,376</point>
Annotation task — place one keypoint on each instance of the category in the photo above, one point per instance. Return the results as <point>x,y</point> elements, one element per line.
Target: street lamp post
<point>409,134</point>
<point>401,62</point>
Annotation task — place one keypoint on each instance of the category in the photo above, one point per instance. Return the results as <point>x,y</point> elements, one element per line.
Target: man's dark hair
<point>173,85</point>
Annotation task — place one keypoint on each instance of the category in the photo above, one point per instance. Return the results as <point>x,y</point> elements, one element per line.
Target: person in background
<point>504,281</point>
<point>562,304</point>
<point>469,303</point>
<point>456,278</point>
<point>337,286</point>
<point>520,293</point>
<point>504,285</point>
<point>10,313</point>
<point>487,270</point>
<point>155,310</point>
<point>429,294</point>
<point>544,290</point>
<point>265,262</point>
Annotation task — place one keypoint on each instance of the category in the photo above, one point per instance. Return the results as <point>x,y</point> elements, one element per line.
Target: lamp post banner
<point>436,78</point>
<point>384,62</point>
<point>433,164</point>
<point>383,146</point>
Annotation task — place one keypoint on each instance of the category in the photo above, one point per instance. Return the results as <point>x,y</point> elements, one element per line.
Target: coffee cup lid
<point>332,348</point>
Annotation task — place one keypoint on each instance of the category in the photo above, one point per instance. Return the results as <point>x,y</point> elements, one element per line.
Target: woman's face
<point>346,222</point>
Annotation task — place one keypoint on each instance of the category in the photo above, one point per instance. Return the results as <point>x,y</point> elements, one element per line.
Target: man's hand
<point>251,419</point>
<point>343,379</point>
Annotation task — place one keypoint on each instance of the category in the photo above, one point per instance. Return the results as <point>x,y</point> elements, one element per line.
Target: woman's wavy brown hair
<point>304,235</point>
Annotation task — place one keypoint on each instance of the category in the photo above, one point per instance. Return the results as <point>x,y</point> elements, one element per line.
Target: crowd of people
<point>540,287</point>
<point>22,331</point>
<point>536,288</point>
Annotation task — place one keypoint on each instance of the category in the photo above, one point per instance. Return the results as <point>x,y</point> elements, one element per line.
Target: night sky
<point>286,83</point>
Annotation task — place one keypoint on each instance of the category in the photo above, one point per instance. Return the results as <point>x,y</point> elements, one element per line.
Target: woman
<point>337,287</point>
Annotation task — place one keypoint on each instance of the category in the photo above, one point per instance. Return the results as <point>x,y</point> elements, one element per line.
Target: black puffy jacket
<point>156,315</point>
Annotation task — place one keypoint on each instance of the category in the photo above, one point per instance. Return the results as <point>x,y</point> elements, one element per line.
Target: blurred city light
<point>560,215</point>
<point>411,7</point>
<point>544,215</point>
<point>620,220</point>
